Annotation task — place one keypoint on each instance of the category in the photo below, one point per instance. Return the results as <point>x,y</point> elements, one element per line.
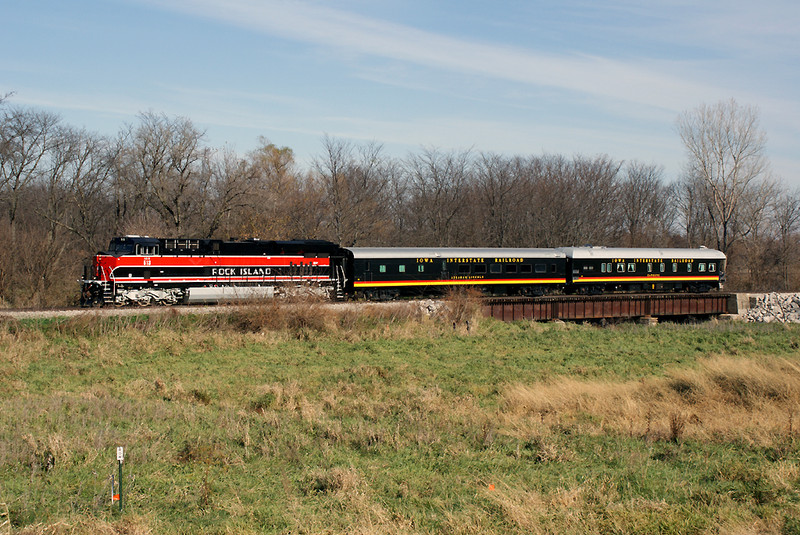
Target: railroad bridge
<point>648,307</point>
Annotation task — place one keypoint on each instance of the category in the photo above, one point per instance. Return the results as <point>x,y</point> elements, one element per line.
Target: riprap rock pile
<point>774,307</point>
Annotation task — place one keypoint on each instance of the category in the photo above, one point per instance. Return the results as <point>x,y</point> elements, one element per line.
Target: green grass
<point>375,423</point>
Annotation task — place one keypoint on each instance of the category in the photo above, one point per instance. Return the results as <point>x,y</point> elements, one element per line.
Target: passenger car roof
<point>630,253</point>
<point>452,252</point>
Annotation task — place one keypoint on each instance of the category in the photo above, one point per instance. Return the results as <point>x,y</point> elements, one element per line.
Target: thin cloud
<point>630,81</point>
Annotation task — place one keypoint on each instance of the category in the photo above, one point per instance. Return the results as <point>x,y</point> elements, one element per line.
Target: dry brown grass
<point>565,511</point>
<point>313,318</point>
<point>722,399</point>
<point>129,525</point>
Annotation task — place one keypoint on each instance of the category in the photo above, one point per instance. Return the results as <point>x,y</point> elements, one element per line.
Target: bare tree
<point>550,199</point>
<point>725,147</point>
<point>645,215</point>
<point>333,169</point>
<point>272,185</point>
<point>757,234</point>
<point>164,159</point>
<point>76,186</point>
<point>396,212</point>
<point>786,219</point>
<point>574,200</point>
<point>230,186</point>
<point>25,140</point>
<point>437,183</point>
<point>355,187</point>
<point>498,183</point>
<point>595,208</point>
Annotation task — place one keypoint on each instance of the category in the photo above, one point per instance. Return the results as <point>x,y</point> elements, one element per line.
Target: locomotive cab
<point>134,245</point>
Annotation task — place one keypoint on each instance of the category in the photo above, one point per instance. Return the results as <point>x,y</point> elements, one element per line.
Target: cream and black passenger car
<point>610,269</point>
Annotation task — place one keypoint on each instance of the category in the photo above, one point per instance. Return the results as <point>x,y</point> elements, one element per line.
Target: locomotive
<point>142,270</point>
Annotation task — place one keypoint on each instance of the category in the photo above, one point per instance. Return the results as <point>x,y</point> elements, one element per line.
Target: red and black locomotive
<point>142,270</point>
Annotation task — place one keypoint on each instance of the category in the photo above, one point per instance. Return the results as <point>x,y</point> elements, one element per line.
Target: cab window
<point>146,250</point>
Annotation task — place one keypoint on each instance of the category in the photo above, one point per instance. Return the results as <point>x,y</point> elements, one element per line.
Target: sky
<point>514,77</point>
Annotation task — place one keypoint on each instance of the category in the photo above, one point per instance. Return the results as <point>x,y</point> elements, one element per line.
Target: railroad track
<point>560,307</point>
<point>31,313</point>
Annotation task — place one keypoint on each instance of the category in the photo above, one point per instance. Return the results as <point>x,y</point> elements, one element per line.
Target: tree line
<point>64,192</point>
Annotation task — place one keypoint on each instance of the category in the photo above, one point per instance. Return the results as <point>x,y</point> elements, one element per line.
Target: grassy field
<point>304,420</point>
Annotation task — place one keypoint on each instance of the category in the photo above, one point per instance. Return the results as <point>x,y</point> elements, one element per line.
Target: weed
<point>201,396</point>
<point>462,307</point>
<point>202,451</point>
<point>676,424</point>
<point>329,481</point>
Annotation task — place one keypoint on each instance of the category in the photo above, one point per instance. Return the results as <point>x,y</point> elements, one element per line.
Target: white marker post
<point>120,457</point>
